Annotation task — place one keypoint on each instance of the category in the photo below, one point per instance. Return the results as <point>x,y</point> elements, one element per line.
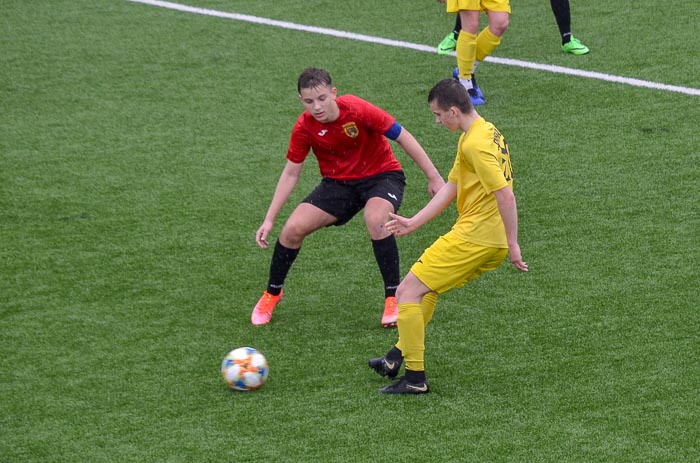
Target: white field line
<point>418,47</point>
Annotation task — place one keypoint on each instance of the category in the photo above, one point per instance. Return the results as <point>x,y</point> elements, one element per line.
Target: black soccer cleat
<point>385,367</point>
<point>402,386</point>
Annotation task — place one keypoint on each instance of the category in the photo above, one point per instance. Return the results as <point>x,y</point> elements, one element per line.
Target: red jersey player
<point>348,136</point>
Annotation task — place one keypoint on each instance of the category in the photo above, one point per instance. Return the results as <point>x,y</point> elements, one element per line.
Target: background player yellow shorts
<point>453,6</point>
<point>450,262</point>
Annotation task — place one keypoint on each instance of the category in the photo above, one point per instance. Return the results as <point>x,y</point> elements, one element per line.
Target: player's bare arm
<point>400,226</point>
<point>285,185</point>
<point>416,152</point>
<point>508,209</point>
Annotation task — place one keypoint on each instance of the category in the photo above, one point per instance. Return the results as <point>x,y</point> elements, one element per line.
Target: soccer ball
<point>244,369</point>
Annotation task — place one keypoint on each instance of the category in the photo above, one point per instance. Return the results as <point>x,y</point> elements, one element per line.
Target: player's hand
<point>398,225</point>
<point>262,234</point>
<point>516,257</point>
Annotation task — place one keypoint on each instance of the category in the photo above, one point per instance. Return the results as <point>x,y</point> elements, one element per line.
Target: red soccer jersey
<point>349,148</point>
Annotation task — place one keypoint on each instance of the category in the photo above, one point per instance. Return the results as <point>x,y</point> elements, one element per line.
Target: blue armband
<point>394,131</point>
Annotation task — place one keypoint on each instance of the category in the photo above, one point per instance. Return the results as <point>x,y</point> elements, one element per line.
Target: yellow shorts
<point>450,262</point>
<point>453,6</point>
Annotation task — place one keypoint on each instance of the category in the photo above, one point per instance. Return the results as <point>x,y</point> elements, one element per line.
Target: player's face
<point>320,102</point>
<point>448,117</point>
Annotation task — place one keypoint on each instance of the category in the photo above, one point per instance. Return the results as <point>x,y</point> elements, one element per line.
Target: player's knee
<point>499,25</point>
<point>401,292</point>
<point>293,233</point>
<point>375,221</point>
<point>409,291</point>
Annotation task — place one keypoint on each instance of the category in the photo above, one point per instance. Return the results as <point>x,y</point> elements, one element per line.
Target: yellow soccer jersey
<point>481,167</point>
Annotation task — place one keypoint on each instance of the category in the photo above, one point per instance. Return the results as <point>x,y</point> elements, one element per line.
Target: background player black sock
<point>458,27</point>
<point>562,14</point>
<point>386,252</point>
<point>282,260</point>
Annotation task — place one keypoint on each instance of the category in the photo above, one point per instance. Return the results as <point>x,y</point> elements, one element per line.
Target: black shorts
<point>344,199</point>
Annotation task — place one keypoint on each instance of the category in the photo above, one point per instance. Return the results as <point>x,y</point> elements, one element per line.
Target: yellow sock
<point>486,43</point>
<point>411,335</point>
<point>466,51</point>
<point>428,305</point>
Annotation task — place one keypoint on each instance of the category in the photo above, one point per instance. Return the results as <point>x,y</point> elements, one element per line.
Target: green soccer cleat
<point>575,47</point>
<point>447,45</point>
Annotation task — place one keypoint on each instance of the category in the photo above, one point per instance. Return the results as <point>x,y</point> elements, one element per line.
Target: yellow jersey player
<point>562,15</point>
<point>472,46</point>
<point>486,231</point>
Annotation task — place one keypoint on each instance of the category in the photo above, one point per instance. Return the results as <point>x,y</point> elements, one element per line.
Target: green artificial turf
<point>139,150</point>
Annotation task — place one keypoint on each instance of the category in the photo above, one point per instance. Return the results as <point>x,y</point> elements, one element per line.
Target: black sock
<point>282,260</point>
<point>562,14</point>
<point>394,355</point>
<point>386,252</point>
<point>415,377</point>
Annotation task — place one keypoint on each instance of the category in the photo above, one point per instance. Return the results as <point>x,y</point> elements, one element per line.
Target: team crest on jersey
<point>351,130</point>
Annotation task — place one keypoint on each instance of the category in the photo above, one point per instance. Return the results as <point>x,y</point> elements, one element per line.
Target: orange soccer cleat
<point>262,313</point>
<point>391,312</point>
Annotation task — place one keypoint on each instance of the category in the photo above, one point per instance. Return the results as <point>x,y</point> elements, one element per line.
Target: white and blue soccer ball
<point>244,369</point>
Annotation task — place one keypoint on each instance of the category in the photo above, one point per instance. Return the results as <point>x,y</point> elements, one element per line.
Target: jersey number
<point>502,144</point>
